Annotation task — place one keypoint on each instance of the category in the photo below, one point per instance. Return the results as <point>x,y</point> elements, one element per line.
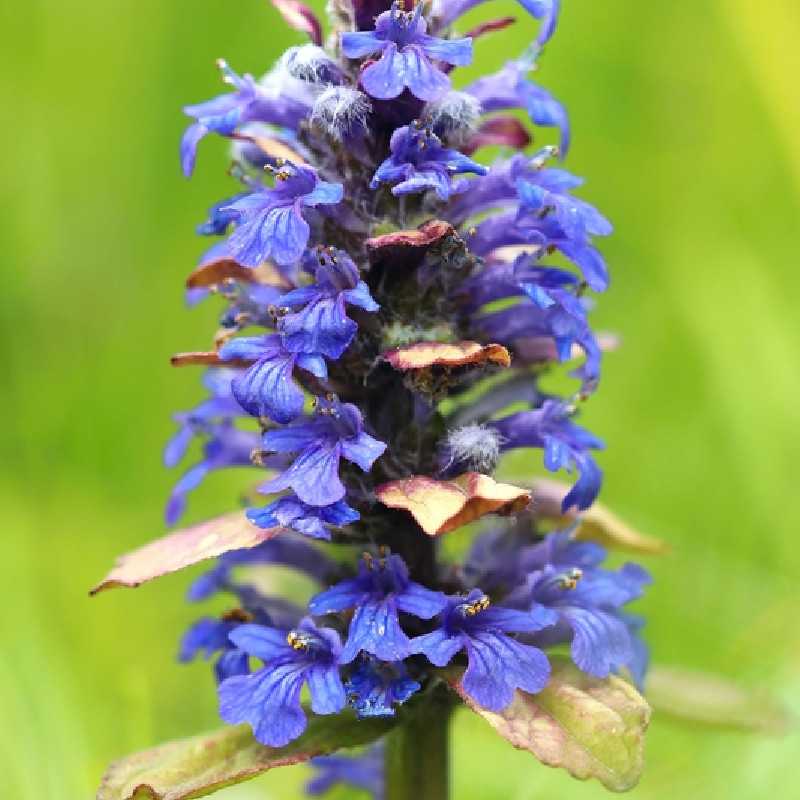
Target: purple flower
<point>322,325</point>
<point>406,52</point>
<point>249,102</point>
<point>496,663</point>
<point>566,446</point>
<point>380,591</point>
<point>267,389</point>
<point>336,431</point>
<point>361,772</point>
<point>269,699</point>
<point>567,579</point>
<point>270,223</point>
<point>509,88</point>
<point>313,521</point>
<point>419,162</point>
<point>374,688</point>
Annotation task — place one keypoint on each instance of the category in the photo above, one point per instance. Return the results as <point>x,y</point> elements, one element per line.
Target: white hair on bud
<point>339,109</point>
<point>307,62</point>
<point>475,446</point>
<point>454,117</point>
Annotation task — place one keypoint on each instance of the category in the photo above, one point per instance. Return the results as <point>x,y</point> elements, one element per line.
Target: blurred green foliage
<point>686,119</point>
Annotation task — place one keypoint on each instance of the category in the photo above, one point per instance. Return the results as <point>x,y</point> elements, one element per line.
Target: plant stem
<point>417,752</point>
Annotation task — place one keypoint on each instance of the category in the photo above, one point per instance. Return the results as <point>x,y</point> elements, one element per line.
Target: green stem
<point>417,753</point>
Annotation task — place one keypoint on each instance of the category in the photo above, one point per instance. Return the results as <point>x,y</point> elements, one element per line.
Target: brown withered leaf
<point>196,767</point>
<point>597,524</point>
<point>442,506</point>
<point>442,354</point>
<point>185,547</point>
<point>218,270</point>
<point>205,358</point>
<point>698,697</point>
<point>423,237</point>
<point>591,727</point>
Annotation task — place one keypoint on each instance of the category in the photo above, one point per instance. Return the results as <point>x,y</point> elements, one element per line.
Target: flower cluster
<point>393,309</point>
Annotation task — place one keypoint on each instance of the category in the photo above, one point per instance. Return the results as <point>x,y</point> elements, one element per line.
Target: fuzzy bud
<point>312,64</point>
<point>471,448</point>
<point>454,118</point>
<point>340,111</point>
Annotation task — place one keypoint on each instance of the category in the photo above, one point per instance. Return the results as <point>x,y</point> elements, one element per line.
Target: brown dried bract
<point>205,358</point>
<point>442,354</point>
<point>442,506</point>
<point>186,547</point>
<point>220,270</point>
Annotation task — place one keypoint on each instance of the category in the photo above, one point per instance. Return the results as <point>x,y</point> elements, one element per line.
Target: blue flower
<point>545,10</point>
<point>361,772</point>
<point>197,421</point>
<point>419,162</point>
<point>225,446</point>
<point>566,446</point>
<point>269,699</point>
<point>313,521</point>
<point>380,591</point>
<point>496,663</point>
<point>538,191</point>
<point>270,223</point>
<point>322,325</point>
<point>220,217</point>
<point>556,312</point>
<point>249,102</point>
<point>375,688</point>
<point>208,636</point>
<point>587,599</point>
<point>406,52</point>
<point>509,88</point>
<point>289,550</point>
<point>267,389</point>
<point>336,431</point>
<point>547,191</point>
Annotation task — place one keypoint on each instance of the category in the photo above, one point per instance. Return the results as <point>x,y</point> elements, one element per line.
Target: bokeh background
<point>686,119</point>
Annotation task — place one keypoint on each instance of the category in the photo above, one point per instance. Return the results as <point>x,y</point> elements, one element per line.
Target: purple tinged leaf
<point>300,17</point>
<point>593,728</point>
<point>194,767</point>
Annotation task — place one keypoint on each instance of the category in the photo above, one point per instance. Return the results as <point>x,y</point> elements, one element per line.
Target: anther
<point>481,604</point>
<point>569,580</point>
<point>257,457</point>
<point>298,641</point>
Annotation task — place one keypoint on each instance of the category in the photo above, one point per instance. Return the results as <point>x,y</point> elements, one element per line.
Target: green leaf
<point>592,728</point>
<point>713,700</point>
<point>196,767</point>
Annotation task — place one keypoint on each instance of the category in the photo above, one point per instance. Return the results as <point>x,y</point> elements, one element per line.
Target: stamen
<point>298,641</point>
<point>481,604</point>
<point>569,580</point>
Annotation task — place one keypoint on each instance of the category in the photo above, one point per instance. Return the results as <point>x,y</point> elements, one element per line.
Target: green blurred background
<point>686,118</point>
